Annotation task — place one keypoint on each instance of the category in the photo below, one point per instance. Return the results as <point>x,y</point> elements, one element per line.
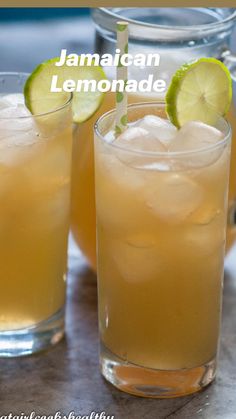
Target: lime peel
<point>38,84</point>
<point>201,90</point>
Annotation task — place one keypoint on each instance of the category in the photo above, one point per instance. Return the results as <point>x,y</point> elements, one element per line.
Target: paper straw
<point>121,74</point>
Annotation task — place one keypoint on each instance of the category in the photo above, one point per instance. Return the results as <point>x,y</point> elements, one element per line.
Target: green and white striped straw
<point>121,74</point>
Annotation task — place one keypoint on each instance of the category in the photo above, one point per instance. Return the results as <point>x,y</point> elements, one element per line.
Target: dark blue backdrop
<point>40,13</point>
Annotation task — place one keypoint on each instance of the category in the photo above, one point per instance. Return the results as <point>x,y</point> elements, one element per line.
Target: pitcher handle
<point>229,59</point>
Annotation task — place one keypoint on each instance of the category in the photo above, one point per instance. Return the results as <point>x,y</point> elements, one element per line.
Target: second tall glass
<point>161,221</point>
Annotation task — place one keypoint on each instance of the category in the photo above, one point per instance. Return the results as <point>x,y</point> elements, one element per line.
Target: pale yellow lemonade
<point>35,157</point>
<point>161,234</point>
<point>83,221</point>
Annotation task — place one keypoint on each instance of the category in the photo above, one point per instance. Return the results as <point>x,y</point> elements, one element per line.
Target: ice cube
<point>205,214</point>
<point>16,130</point>
<point>12,100</point>
<point>136,258</point>
<point>195,135</point>
<point>12,107</point>
<point>159,128</point>
<point>139,139</point>
<point>134,140</point>
<point>114,178</point>
<point>14,122</point>
<point>206,232</point>
<point>12,112</point>
<point>173,196</point>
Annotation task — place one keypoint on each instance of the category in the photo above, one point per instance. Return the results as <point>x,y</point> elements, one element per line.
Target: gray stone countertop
<point>66,378</point>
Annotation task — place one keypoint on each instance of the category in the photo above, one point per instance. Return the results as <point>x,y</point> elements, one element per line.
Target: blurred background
<point>29,36</point>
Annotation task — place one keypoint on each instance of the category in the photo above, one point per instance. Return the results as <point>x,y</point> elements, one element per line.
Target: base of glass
<point>20,342</point>
<point>147,382</point>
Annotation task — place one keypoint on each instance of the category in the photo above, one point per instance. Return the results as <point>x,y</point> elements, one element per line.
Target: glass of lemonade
<point>35,166</point>
<point>179,35</point>
<point>161,200</point>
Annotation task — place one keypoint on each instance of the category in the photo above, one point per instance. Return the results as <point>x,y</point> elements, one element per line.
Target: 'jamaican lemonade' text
<point>104,85</point>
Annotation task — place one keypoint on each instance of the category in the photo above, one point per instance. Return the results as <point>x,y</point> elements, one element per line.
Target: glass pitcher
<point>179,35</point>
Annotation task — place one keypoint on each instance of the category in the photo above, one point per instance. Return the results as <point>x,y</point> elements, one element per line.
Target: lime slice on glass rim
<point>38,84</point>
<point>199,91</point>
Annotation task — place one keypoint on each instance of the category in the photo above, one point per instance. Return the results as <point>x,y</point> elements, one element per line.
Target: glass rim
<point>161,154</point>
<point>183,31</point>
<point>38,115</point>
